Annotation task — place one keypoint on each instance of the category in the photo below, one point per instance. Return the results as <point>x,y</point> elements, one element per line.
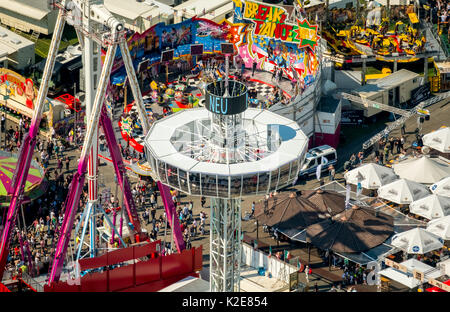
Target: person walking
<point>360,157</point>
<point>67,162</point>
<point>332,172</point>
<point>203,201</point>
<point>254,67</point>
<point>401,144</point>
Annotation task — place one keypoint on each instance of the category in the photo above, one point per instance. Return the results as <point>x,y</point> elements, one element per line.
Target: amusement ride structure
<point>226,151</point>
<point>96,28</point>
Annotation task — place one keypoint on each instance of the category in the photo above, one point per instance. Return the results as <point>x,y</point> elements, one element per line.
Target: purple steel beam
<point>119,168</point>
<point>30,260</point>
<point>71,205</point>
<point>170,212</point>
<point>22,253</point>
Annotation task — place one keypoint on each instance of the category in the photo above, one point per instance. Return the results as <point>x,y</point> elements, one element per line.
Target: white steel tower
<point>226,151</point>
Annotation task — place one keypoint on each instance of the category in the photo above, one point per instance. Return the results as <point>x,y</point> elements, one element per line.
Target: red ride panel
<point>120,278</point>
<point>93,263</point>
<point>95,282</point>
<point>198,259</point>
<point>173,265</point>
<point>145,250</point>
<point>120,255</point>
<point>148,271</point>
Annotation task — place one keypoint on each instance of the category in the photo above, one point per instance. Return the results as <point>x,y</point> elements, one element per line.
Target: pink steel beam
<point>119,167</point>
<point>27,148</point>
<point>170,212</point>
<point>76,186</point>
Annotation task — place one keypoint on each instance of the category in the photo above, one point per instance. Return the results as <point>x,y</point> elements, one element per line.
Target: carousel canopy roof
<point>289,214</point>
<point>8,164</point>
<point>354,230</point>
<point>326,201</point>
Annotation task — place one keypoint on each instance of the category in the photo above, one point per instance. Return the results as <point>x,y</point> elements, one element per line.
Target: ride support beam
<point>79,177</point>
<point>119,168</point>
<point>28,144</point>
<point>134,84</point>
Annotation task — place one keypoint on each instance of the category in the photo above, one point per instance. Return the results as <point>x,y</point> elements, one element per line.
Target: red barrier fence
<point>150,275</point>
<point>3,288</point>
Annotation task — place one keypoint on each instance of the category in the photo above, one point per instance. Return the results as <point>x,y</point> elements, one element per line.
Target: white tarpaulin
<point>423,170</point>
<point>440,227</point>
<point>431,207</point>
<point>417,241</point>
<point>371,176</point>
<point>438,140</point>
<point>403,191</point>
<point>442,187</point>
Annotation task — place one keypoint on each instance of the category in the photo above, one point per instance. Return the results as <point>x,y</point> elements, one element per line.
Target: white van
<point>314,158</point>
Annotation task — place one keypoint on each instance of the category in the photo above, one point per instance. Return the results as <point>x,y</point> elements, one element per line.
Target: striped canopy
<point>7,167</point>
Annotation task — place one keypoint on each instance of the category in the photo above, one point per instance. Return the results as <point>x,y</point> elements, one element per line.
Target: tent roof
<point>442,187</point>
<point>417,241</point>
<point>431,207</point>
<point>403,191</point>
<point>291,213</point>
<point>326,201</point>
<point>354,230</point>
<point>423,170</point>
<point>439,139</point>
<point>370,175</point>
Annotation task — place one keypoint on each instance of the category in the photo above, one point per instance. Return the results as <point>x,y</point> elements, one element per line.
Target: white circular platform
<point>177,149</point>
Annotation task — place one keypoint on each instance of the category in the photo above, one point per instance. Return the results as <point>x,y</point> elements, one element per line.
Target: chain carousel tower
<point>226,151</point>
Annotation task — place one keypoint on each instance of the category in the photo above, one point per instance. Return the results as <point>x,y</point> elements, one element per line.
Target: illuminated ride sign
<point>270,21</point>
<point>235,103</point>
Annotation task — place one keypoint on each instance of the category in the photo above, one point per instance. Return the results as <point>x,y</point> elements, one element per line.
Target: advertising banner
<point>17,91</point>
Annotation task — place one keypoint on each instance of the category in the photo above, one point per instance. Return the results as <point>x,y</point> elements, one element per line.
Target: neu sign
<point>226,105</point>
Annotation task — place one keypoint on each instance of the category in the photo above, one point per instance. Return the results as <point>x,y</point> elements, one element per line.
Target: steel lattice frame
<point>225,245</point>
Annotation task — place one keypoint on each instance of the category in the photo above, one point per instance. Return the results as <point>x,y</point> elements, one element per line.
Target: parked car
<point>314,158</point>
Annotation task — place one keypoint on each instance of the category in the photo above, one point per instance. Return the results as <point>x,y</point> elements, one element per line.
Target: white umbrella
<point>431,207</point>
<point>417,241</point>
<point>438,140</point>
<point>371,176</point>
<point>442,187</point>
<point>422,170</point>
<point>440,227</point>
<point>403,191</point>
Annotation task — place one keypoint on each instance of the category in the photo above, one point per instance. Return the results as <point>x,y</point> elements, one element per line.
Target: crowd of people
<point>438,13</point>
<point>36,233</point>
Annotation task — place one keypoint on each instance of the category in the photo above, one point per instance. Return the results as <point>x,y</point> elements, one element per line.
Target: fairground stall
<point>17,96</point>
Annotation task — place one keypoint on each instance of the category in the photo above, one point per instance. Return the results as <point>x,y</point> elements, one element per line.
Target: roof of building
<point>393,80</point>
<point>35,9</point>
<point>328,104</point>
<point>11,42</point>
<point>196,7</point>
<point>133,9</point>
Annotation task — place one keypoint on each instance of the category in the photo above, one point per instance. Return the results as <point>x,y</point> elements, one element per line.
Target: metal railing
<point>438,39</point>
<point>32,282</point>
